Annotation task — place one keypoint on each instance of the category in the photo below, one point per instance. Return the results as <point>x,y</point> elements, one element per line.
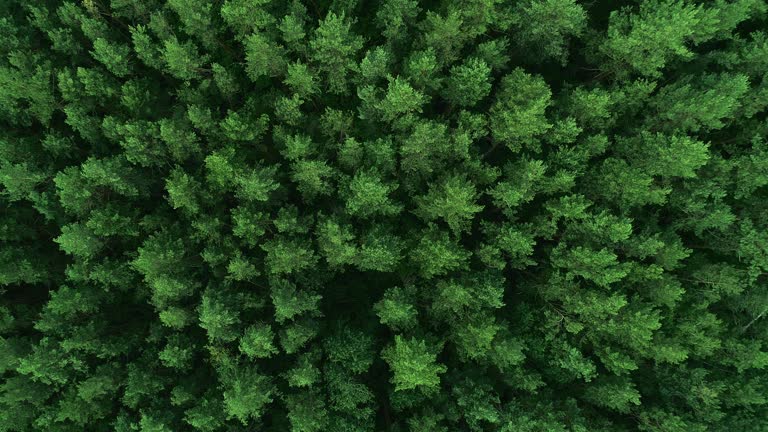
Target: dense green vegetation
<point>396,215</point>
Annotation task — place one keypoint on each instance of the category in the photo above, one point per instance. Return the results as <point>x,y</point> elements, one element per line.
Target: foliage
<point>424,216</point>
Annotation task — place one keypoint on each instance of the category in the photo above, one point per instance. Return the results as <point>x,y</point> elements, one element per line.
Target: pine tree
<point>309,216</point>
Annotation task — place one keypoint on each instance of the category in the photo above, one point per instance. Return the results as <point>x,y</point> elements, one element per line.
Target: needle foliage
<point>396,215</point>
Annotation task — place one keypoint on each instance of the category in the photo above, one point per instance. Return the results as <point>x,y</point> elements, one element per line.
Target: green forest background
<point>397,215</point>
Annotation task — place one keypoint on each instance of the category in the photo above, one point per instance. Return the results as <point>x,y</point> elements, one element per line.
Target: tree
<point>336,243</point>
<point>396,308</point>
<point>413,364</point>
<point>394,17</point>
<point>380,250</point>
<point>182,191</point>
<point>218,318</point>
<point>660,32</point>
<point>114,57</point>
<point>196,18</point>
<point>182,59</point>
<point>263,57</point>
<point>246,393</point>
<point>369,196</point>
<point>518,115</point>
<point>453,200</point>
<point>436,254</point>
<point>468,83</point>
<point>717,103</point>
<point>334,47</point>
<point>300,80</point>
<point>547,25</point>
<point>289,302</point>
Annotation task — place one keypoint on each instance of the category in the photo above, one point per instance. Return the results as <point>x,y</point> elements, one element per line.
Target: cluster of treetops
<point>395,215</point>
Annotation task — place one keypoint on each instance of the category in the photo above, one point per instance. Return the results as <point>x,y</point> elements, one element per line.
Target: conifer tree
<point>398,216</point>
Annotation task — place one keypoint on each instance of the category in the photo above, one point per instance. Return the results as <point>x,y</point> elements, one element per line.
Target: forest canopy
<point>395,215</point>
